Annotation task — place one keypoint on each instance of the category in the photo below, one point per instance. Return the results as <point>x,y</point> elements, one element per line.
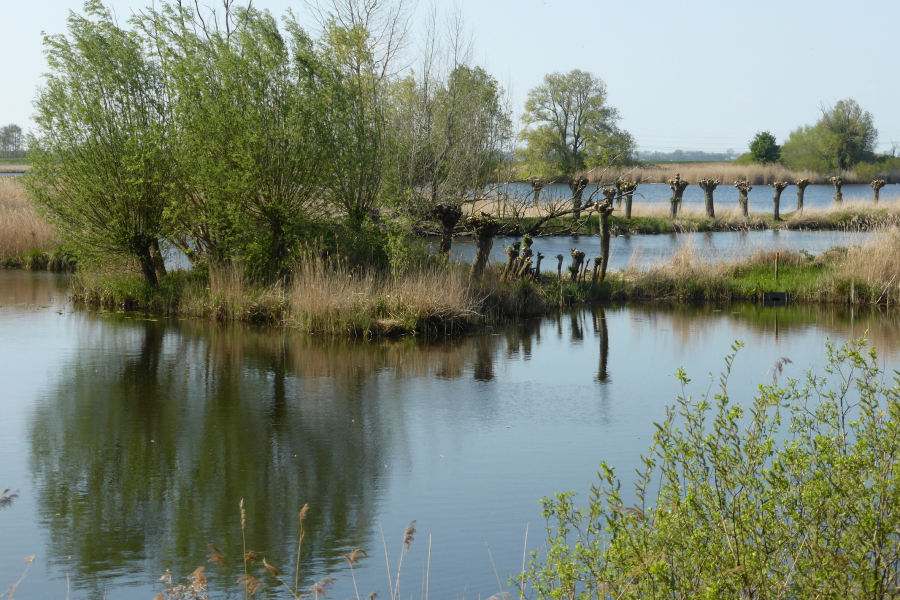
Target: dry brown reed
<point>13,168</point>
<point>875,263</point>
<point>21,229</point>
<point>329,297</point>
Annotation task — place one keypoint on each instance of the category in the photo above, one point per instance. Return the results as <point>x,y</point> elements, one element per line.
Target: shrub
<point>746,508</point>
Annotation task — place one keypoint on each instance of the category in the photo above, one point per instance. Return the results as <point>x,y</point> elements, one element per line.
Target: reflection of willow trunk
<point>743,188</point>
<point>577,186</point>
<point>677,185</point>
<point>837,182</point>
<point>709,186</point>
<point>876,189</point>
<point>602,374</point>
<point>779,187</point>
<point>448,216</point>
<point>801,189</point>
<point>484,228</point>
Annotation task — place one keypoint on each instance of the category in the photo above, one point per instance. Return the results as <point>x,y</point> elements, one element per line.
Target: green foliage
<point>744,159</point>
<point>102,169</point>
<point>793,496</point>
<point>763,148</point>
<point>805,150</point>
<point>844,136</point>
<point>574,127</point>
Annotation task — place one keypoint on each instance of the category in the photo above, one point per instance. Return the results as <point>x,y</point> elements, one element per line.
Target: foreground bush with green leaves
<point>794,496</point>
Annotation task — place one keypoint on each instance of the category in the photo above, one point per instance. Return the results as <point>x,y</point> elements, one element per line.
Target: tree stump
<point>577,186</point>
<point>512,253</point>
<point>604,209</point>
<point>801,184</point>
<point>876,189</point>
<point>577,261</point>
<point>837,182</point>
<point>448,216</point>
<point>630,187</point>
<point>778,186</point>
<point>559,257</point>
<point>537,268</point>
<point>678,185</point>
<point>484,228</point>
<point>620,189</point>
<point>537,185</point>
<point>743,188</point>
<point>709,186</point>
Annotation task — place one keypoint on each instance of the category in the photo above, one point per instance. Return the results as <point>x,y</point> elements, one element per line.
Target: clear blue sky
<point>689,75</point>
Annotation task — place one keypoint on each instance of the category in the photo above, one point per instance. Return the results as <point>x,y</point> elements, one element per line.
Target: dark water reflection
<point>133,440</point>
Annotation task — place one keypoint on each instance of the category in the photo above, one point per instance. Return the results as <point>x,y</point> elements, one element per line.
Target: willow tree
<point>678,186</point>
<point>101,154</point>
<point>709,186</point>
<point>570,127</point>
<point>256,110</point>
<point>876,188</point>
<point>577,185</point>
<point>743,188</point>
<point>837,182</point>
<point>801,184</point>
<point>778,186</point>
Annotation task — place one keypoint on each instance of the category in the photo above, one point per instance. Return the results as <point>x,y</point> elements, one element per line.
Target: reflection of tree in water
<point>602,331</point>
<point>152,437</point>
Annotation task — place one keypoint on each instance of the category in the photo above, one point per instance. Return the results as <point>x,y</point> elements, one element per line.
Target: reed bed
<point>14,168</point>
<point>24,236</point>
<point>328,297</point>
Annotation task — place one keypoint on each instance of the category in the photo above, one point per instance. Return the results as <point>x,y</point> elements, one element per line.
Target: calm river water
<point>132,440</point>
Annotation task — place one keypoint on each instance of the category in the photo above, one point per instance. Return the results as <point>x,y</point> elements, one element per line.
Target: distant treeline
<point>686,156</point>
<point>12,142</point>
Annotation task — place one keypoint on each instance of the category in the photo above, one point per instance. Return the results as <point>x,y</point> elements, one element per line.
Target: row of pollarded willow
<point>678,185</point>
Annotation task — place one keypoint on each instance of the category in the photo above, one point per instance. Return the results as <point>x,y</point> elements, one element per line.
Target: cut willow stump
<point>801,189</point>
<point>678,185</point>
<point>559,258</point>
<point>577,186</point>
<point>597,262</point>
<point>837,182</point>
<point>577,262</point>
<point>709,186</point>
<point>512,254</point>
<point>778,186</point>
<point>620,189</point>
<point>629,188</point>
<point>484,228</point>
<point>604,209</point>
<point>448,216</point>
<point>743,188</point>
<point>876,189</point>
<point>537,185</point>
<point>537,268</point>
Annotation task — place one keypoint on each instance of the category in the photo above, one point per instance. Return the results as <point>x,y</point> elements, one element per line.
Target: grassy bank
<point>439,298</point>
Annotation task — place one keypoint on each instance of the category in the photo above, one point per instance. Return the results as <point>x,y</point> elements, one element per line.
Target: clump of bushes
<point>793,496</point>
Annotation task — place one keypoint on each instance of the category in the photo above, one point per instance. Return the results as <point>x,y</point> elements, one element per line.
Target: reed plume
<point>322,586</point>
<point>7,500</point>
<point>216,557</point>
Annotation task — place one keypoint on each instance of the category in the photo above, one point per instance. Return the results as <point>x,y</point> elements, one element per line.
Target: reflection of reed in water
<point>691,325</point>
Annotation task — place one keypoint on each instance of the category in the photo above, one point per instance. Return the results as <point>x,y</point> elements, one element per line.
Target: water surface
<point>132,440</point>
